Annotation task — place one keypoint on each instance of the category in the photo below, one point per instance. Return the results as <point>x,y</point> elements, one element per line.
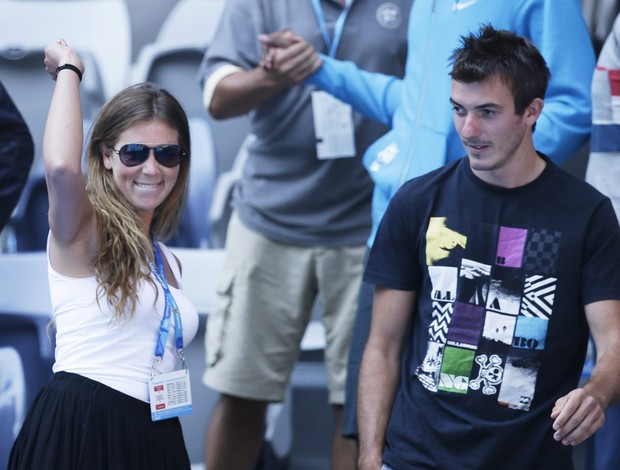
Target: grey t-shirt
<point>286,193</point>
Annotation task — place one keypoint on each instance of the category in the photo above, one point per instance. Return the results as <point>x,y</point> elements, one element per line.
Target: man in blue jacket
<point>422,135</point>
<point>16,155</point>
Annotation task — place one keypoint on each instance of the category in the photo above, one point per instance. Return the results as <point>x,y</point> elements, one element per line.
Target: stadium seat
<point>221,205</point>
<point>27,356</point>
<point>12,399</point>
<point>26,339</point>
<point>24,77</point>
<point>194,230</point>
<point>197,19</point>
<point>174,58</point>
<point>28,227</point>
<point>100,27</point>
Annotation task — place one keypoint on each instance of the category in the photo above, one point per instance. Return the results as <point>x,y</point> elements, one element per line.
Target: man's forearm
<point>605,380</point>
<point>239,93</point>
<point>373,94</point>
<point>580,413</point>
<point>378,382</point>
<point>604,322</point>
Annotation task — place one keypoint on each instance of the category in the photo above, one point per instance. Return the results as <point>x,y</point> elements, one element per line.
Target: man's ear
<point>533,110</point>
<point>106,154</point>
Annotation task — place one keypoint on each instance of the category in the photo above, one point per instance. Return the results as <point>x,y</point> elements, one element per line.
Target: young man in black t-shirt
<point>490,273</point>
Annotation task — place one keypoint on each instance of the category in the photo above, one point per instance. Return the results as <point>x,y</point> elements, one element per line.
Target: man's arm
<point>380,371</point>
<point>243,90</point>
<point>580,413</point>
<point>16,155</point>
<point>373,94</point>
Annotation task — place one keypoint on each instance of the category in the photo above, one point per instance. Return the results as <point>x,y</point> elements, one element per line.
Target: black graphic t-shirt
<point>499,331</point>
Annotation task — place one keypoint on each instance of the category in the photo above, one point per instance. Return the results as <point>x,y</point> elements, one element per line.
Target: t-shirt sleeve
<point>393,260</point>
<point>601,268</point>
<point>236,39</point>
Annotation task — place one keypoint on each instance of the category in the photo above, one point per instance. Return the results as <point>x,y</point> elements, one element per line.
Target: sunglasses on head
<point>134,154</point>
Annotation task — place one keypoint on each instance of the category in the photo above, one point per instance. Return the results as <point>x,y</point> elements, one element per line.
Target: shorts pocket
<point>218,320</point>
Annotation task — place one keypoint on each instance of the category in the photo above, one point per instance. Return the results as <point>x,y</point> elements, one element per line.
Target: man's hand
<point>288,57</point>
<point>577,416</point>
<point>275,40</point>
<point>287,61</point>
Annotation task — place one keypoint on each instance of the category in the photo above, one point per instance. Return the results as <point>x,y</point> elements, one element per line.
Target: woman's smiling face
<point>148,184</point>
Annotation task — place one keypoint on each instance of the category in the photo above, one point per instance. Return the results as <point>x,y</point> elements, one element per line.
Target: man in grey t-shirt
<point>301,210</point>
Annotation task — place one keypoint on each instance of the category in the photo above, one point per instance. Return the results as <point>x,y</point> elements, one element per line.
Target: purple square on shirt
<point>466,324</point>
<point>510,247</point>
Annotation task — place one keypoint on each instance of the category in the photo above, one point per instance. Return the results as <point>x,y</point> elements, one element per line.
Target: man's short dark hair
<point>514,59</point>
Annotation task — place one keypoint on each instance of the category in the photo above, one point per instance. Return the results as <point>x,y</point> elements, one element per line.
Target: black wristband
<point>70,67</point>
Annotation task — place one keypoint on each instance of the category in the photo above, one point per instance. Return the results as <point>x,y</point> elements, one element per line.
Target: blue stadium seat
<point>98,27</point>
<point>28,227</point>
<point>27,356</point>
<point>194,231</point>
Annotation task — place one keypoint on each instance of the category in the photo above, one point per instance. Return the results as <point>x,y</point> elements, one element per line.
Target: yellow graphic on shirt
<point>440,240</point>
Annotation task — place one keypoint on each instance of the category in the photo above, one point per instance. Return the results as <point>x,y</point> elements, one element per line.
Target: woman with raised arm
<point>115,289</point>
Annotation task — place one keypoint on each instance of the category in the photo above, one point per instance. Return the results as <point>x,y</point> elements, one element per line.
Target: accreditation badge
<point>170,395</point>
<point>333,127</point>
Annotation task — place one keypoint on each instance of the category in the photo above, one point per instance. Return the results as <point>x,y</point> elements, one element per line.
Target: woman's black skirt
<point>78,423</point>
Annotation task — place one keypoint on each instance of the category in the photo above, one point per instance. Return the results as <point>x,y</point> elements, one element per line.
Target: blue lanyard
<point>332,45</point>
<point>170,307</point>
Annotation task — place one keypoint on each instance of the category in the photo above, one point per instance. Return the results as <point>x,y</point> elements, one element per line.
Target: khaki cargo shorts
<point>265,298</point>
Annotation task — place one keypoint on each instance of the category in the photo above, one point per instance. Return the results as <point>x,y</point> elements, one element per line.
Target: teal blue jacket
<point>422,135</point>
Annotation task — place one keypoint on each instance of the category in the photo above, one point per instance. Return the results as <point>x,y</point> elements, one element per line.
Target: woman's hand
<point>59,53</point>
